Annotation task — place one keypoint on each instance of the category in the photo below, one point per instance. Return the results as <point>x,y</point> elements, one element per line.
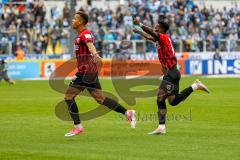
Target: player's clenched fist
<point>136,21</point>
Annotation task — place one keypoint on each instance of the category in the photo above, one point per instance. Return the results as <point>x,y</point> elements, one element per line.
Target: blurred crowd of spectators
<point>190,24</point>
<point>27,27</point>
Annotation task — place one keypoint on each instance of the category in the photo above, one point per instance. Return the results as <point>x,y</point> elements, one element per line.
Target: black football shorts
<point>88,81</point>
<point>170,82</point>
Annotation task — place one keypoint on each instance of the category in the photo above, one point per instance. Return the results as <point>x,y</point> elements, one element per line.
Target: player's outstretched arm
<point>150,31</point>
<point>143,34</point>
<point>147,29</point>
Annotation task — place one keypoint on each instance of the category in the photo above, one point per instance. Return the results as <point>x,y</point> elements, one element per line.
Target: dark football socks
<point>162,111</point>
<point>73,111</point>
<point>113,105</point>
<point>182,96</point>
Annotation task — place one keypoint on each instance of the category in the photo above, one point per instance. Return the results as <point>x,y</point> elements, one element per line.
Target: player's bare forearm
<point>150,31</point>
<point>145,35</point>
<point>96,57</point>
<point>92,48</point>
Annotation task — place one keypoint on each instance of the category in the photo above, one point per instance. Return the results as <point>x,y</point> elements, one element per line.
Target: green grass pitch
<point>207,126</point>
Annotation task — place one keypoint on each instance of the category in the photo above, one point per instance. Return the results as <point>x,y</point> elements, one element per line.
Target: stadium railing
<point>140,47</point>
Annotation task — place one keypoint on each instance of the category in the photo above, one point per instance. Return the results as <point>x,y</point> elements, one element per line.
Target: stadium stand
<point>26,26</point>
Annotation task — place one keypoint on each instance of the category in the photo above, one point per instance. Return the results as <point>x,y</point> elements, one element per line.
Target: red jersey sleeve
<point>87,37</point>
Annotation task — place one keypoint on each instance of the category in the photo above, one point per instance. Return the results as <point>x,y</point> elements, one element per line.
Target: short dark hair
<point>83,15</point>
<point>164,23</point>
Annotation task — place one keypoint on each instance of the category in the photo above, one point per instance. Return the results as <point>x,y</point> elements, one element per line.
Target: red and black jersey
<point>83,55</point>
<point>166,54</point>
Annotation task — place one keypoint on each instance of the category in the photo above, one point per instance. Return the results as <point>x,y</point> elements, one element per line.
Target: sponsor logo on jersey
<point>88,36</point>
